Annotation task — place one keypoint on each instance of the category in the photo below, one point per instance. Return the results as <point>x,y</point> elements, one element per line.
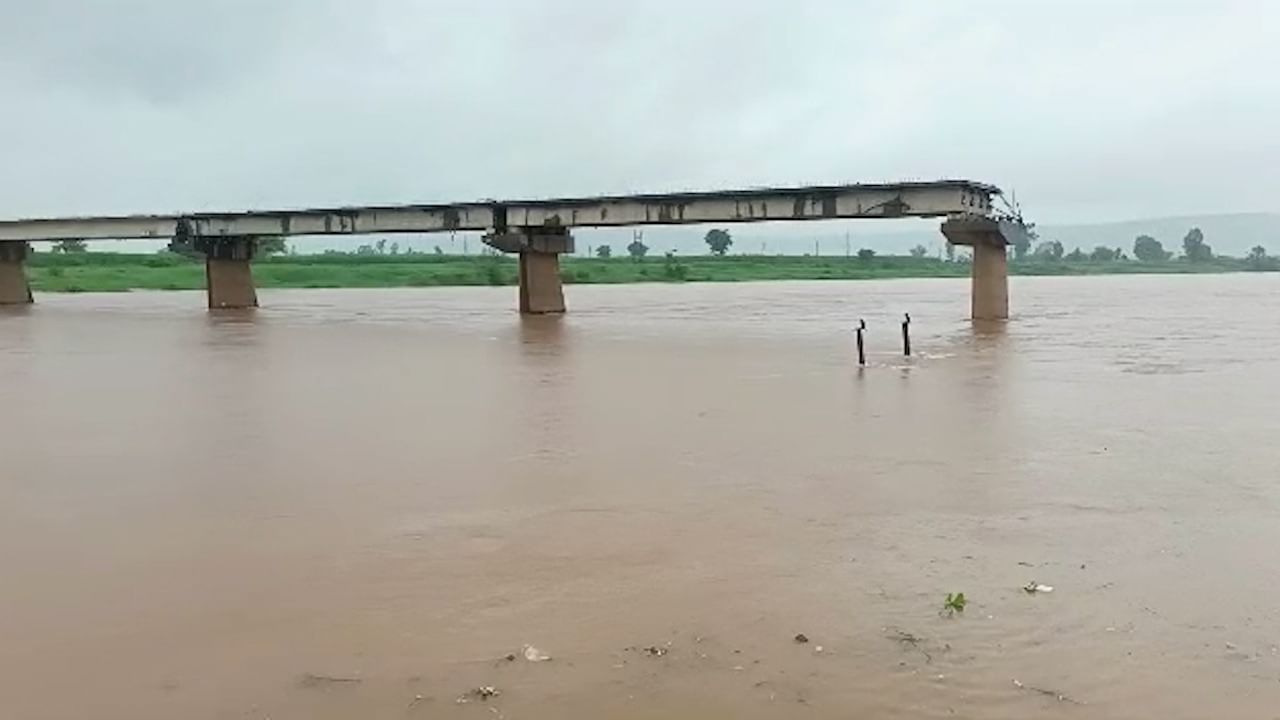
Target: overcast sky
<point>1090,110</point>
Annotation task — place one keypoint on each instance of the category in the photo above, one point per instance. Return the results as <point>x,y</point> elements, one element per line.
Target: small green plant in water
<point>954,603</point>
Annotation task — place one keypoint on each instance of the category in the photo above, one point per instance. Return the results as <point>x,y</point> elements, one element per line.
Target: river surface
<point>355,503</point>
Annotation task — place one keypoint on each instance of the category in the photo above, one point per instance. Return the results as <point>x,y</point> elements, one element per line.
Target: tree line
<point>1145,249</point>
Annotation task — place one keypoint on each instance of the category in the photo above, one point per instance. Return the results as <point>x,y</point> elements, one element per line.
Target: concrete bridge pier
<point>14,289</point>
<point>228,271</point>
<point>989,239</point>
<point>541,290</point>
<point>539,248</point>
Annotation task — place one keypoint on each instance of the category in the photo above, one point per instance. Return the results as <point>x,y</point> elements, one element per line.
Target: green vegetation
<point>70,246</point>
<point>954,603</point>
<point>274,246</point>
<point>78,271</point>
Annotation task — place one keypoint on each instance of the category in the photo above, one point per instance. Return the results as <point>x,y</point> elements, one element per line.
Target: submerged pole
<point>862,355</point>
<point>906,335</point>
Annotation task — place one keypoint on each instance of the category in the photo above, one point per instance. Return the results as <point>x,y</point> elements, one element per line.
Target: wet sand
<point>355,503</point>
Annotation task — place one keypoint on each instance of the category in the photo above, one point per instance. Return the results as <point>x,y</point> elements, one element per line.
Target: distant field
<point>97,272</point>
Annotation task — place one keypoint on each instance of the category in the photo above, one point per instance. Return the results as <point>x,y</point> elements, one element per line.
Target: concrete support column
<point>541,290</point>
<point>14,289</point>
<point>228,272</point>
<point>989,238</point>
<point>990,292</point>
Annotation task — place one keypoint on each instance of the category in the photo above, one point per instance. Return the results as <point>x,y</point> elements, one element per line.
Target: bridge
<point>538,231</point>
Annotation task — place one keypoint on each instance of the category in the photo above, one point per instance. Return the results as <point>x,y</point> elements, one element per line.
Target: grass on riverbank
<point>96,271</point>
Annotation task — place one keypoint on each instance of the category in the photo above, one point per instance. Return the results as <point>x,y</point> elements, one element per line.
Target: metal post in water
<point>862,355</point>
<point>906,335</point>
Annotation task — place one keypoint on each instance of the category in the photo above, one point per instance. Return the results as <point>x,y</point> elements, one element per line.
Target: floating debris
<point>652,650</point>
<point>903,636</point>
<point>912,641</point>
<point>533,654</point>
<point>1060,697</point>
<point>1034,587</point>
<point>311,680</point>
<point>802,638</point>
<point>482,693</point>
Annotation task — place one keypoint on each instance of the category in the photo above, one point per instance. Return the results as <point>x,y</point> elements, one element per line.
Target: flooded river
<point>356,503</point>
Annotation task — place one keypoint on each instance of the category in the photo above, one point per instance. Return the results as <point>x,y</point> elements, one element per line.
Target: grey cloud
<point>156,50</point>
<point>1092,111</point>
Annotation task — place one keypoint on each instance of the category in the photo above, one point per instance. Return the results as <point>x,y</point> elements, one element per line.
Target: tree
<point>1194,247</point>
<point>183,244</point>
<point>1051,250</point>
<point>272,245</point>
<point>1102,253</point>
<point>395,248</point>
<point>951,252</point>
<point>604,252</point>
<point>1149,249</point>
<point>919,251</point>
<point>1022,244</point>
<point>719,241</point>
<point>381,245</point>
<point>70,246</point>
<point>866,254</point>
<point>637,249</point>
<point>1076,255</point>
<point>1258,259</point>
<point>437,251</point>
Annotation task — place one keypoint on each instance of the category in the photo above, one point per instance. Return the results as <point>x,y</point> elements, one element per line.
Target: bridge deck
<point>911,199</point>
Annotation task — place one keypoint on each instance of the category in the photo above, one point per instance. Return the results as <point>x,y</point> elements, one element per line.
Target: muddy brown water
<point>355,503</point>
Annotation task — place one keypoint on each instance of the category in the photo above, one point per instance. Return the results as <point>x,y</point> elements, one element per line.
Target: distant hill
<point>1229,234</point>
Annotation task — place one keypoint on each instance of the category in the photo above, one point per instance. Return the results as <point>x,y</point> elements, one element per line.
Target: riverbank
<point>106,272</point>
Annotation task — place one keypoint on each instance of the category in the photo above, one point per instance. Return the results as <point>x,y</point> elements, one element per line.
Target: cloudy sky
<point>1092,111</point>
